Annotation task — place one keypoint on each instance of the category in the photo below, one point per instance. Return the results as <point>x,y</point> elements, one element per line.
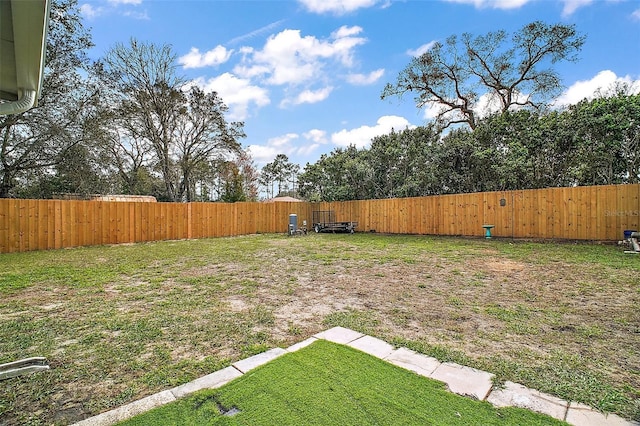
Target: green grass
<point>330,384</point>
<point>120,322</point>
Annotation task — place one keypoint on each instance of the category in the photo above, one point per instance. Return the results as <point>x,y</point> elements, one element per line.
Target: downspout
<point>26,102</point>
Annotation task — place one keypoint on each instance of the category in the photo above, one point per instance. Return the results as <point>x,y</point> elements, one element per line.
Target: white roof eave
<point>23,49</point>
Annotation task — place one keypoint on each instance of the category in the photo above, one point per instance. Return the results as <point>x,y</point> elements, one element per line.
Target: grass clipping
<point>326,383</point>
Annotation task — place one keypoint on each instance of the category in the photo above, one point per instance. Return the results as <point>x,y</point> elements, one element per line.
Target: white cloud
<point>307,149</point>
<point>282,141</point>
<point>361,136</point>
<point>263,154</point>
<point>422,49</point>
<point>142,16</point>
<point>365,79</point>
<point>251,71</point>
<point>636,15</point>
<point>316,135</point>
<point>194,59</point>
<point>493,4</point>
<point>570,6</point>
<point>283,144</point>
<point>237,93</point>
<point>345,31</point>
<point>89,11</point>
<point>432,110</point>
<point>289,58</point>
<point>121,7</point>
<point>588,89</point>
<point>337,7</point>
<point>310,96</point>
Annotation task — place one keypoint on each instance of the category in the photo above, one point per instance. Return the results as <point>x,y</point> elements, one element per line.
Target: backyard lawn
<point>118,323</point>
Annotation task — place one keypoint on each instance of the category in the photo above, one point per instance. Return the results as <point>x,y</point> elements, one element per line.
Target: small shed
<point>283,200</point>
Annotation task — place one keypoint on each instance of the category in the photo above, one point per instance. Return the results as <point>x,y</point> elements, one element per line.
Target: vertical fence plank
<point>31,239</point>
<point>41,242</point>
<point>5,226</point>
<point>628,208</point>
<point>80,224</point>
<point>23,224</point>
<point>14,226</point>
<point>541,228</point>
<point>613,217</point>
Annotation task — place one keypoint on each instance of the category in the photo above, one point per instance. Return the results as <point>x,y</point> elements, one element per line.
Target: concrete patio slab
<point>413,361</point>
<point>372,346</point>
<point>210,381</point>
<point>464,380</point>
<point>339,335</point>
<point>250,363</point>
<point>130,410</point>
<point>583,415</point>
<point>301,345</point>
<point>517,395</point>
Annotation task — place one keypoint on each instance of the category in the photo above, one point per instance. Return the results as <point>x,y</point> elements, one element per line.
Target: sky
<point>306,76</point>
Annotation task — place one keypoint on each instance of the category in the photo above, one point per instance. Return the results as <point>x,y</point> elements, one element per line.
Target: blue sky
<point>306,76</point>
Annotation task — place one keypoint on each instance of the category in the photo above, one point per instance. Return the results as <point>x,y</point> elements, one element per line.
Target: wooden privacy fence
<point>599,213</point>
<point>581,213</point>
<point>52,224</point>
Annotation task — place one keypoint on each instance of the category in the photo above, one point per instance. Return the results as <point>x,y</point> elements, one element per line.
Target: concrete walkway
<point>458,378</point>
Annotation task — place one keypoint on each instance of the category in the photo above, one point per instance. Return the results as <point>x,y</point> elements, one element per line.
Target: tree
<point>608,138</point>
<point>233,190</point>
<point>250,175</point>
<point>184,127</point>
<point>37,139</point>
<point>400,162</point>
<point>267,179</point>
<point>202,135</point>
<point>282,171</point>
<point>503,72</point>
<point>342,175</point>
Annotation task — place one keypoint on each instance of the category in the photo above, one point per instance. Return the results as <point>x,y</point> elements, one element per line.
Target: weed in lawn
<point>480,275</point>
<point>262,316</point>
<point>249,286</point>
<point>294,329</point>
<point>363,321</point>
<point>254,349</point>
<point>455,301</point>
<point>441,353</point>
<point>522,329</point>
<point>590,331</point>
<point>518,312</point>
